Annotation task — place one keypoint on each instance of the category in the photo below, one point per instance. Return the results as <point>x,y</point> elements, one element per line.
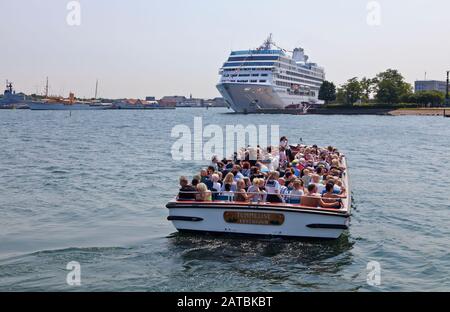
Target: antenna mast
<point>268,43</point>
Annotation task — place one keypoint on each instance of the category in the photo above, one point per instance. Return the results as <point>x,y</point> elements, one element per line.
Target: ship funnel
<point>299,55</point>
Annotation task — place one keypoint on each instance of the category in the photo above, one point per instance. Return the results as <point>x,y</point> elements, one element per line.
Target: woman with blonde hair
<point>229,179</point>
<point>255,191</point>
<point>203,193</point>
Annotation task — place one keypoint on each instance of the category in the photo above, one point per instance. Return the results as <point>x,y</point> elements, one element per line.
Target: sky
<point>139,48</point>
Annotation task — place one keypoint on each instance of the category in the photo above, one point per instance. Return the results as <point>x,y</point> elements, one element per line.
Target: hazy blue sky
<point>164,47</point>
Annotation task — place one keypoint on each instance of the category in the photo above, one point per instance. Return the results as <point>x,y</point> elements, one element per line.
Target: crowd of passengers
<point>306,175</point>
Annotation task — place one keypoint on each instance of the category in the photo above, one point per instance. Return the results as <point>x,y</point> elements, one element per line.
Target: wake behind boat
<point>297,192</point>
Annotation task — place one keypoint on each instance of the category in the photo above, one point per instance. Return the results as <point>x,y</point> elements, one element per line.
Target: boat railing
<point>293,199</point>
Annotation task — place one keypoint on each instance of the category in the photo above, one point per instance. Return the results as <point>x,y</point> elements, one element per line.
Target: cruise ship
<point>270,78</point>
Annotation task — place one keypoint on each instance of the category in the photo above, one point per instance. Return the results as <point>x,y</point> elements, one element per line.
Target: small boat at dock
<point>137,104</point>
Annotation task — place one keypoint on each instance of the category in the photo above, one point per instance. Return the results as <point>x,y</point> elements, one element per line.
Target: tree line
<point>388,87</point>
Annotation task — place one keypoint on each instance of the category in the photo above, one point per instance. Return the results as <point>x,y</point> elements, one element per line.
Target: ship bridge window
<point>249,64</point>
<point>263,81</point>
<point>253,58</point>
<point>278,52</point>
<point>253,81</point>
<point>264,75</point>
<point>255,75</point>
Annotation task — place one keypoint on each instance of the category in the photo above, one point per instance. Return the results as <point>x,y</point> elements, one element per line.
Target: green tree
<point>340,96</point>
<point>391,87</point>
<point>352,91</point>
<point>327,92</point>
<point>368,87</point>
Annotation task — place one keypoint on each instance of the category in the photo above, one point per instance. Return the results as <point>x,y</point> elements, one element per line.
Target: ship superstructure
<point>270,78</point>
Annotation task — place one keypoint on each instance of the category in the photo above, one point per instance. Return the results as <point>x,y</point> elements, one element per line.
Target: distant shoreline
<point>384,111</point>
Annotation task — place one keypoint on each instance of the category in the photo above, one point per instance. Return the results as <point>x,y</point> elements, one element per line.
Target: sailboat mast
<point>46,88</point>
<point>96,89</point>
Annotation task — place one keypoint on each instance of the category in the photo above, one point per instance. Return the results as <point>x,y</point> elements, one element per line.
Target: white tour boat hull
<point>230,218</point>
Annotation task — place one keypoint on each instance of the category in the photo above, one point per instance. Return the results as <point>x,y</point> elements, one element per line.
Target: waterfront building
<point>191,102</point>
<point>430,85</point>
<point>171,101</point>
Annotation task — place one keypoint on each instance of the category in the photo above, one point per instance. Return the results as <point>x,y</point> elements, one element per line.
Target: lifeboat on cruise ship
<point>290,219</point>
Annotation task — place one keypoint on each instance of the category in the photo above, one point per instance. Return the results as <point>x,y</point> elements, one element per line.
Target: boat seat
<point>312,202</point>
<point>223,198</point>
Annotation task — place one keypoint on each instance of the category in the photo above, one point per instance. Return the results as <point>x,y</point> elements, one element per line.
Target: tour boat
<point>262,219</point>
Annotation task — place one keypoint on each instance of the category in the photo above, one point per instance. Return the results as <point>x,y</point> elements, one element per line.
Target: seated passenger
<point>215,163</point>
<point>262,168</point>
<point>246,169</point>
<point>241,194</point>
<point>254,190</point>
<point>315,179</point>
<point>203,193</point>
<point>262,189</point>
<point>229,179</point>
<point>284,191</point>
<point>187,192</point>
<point>195,182</point>
<point>306,177</point>
<point>313,199</point>
<point>255,173</point>
<point>216,187</point>
<point>227,192</point>
<point>330,193</point>
<point>205,175</point>
<point>273,188</point>
<point>298,190</point>
<point>336,189</point>
<point>248,183</point>
<point>237,173</point>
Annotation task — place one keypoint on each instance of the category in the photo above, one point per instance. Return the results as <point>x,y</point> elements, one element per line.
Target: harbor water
<point>91,187</point>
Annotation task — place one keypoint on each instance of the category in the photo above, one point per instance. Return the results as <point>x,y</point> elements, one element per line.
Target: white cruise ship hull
<point>251,98</point>
<point>62,106</point>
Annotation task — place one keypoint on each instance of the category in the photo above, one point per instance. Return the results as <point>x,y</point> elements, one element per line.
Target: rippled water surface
<point>92,187</point>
